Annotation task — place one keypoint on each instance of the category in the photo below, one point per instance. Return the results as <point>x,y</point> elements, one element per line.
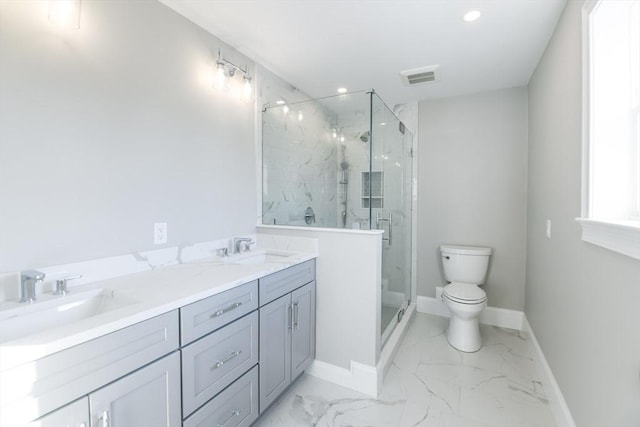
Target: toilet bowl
<point>465,268</point>
<point>465,303</point>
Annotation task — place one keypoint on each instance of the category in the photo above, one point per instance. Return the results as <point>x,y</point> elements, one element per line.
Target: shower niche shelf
<point>372,189</point>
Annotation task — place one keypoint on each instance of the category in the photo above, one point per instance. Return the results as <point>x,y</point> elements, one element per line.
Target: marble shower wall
<point>313,156</point>
<point>299,165</point>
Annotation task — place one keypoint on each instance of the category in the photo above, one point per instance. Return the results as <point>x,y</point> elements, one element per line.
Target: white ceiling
<point>320,45</point>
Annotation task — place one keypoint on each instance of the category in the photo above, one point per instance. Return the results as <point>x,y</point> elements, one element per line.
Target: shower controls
<point>309,216</point>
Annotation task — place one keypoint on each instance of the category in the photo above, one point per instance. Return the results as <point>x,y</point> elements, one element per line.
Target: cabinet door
<point>275,349</point>
<point>147,397</point>
<point>303,338</point>
<point>75,414</point>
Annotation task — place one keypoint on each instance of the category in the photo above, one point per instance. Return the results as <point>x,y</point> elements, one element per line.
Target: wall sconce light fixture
<point>65,13</point>
<point>227,69</point>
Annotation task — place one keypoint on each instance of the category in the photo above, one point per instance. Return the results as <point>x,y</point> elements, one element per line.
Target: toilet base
<point>464,334</point>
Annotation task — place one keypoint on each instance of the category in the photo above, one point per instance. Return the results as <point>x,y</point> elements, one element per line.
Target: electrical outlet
<point>548,232</point>
<point>160,233</point>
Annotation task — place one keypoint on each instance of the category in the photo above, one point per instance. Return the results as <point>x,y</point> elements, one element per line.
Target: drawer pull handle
<point>235,413</point>
<point>295,316</point>
<point>220,363</point>
<point>226,310</point>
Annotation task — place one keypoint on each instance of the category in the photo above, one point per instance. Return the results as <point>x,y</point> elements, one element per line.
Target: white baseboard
<point>494,316</point>
<point>362,378</point>
<point>392,346</point>
<point>556,399</point>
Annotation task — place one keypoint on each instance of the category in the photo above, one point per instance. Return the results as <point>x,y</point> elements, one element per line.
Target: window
<point>611,84</point>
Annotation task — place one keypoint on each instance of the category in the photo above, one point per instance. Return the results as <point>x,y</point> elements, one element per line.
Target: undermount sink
<point>49,312</point>
<point>261,258</point>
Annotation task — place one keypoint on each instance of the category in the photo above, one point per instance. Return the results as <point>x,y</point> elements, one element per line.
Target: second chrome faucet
<point>241,244</point>
<point>28,281</point>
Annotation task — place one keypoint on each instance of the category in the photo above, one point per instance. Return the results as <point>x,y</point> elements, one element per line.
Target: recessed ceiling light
<point>342,90</point>
<point>470,16</point>
<point>280,102</point>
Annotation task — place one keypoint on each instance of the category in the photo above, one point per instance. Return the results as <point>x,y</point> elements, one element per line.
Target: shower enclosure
<point>344,162</point>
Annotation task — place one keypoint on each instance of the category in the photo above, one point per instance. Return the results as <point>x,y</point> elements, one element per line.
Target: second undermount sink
<point>49,312</point>
<point>261,257</point>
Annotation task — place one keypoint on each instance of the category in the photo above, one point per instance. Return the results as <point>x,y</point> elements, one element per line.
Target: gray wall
<point>581,300</point>
<point>110,128</point>
<point>472,173</point>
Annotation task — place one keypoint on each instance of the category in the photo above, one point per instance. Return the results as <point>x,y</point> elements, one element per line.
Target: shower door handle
<point>379,220</point>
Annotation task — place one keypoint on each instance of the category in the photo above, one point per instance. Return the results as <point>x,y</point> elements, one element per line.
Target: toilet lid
<point>464,292</point>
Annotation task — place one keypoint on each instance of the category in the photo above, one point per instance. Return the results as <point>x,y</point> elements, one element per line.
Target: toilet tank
<point>465,264</point>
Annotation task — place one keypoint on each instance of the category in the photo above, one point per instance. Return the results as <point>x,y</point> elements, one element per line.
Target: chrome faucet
<point>28,281</point>
<point>238,244</point>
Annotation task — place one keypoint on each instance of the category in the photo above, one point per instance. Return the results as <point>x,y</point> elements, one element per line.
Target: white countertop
<point>155,292</point>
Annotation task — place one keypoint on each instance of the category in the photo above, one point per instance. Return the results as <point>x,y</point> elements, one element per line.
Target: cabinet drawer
<point>236,406</point>
<point>277,284</point>
<point>202,317</point>
<point>215,361</point>
<point>69,374</point>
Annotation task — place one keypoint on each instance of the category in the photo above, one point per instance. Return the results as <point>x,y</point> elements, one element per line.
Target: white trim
<point>554,395</point>
<point>392,345</point>
<point>364,378</point>
<point>621,238</point>
<point>359,377</point>
<point>494,316</point>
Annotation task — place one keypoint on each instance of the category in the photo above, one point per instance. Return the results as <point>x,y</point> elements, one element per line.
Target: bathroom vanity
<point>217,349</point>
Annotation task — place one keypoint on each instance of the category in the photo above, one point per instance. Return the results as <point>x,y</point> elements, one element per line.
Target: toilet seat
<point>464,293</point>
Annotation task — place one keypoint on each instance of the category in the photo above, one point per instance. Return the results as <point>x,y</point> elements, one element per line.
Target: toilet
<point>465,268</point>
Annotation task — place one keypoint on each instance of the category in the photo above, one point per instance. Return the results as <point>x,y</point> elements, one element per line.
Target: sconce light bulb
<point>300,116</point>
<point>65,13</point>
<point>285,109</point>
<point>220,76</point>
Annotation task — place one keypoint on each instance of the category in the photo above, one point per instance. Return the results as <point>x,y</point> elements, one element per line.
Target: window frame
<point>621,237</point>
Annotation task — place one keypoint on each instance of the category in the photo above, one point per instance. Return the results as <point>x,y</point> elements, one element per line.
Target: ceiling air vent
<point>420,75</point>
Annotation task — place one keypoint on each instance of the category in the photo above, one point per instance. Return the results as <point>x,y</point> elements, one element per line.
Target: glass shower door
<point>390,199</point>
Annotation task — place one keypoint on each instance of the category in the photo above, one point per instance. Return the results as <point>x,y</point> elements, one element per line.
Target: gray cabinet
<point>147,397</point>
<point>215,361</point>
<point>303,335</point>
<point>75,414</point>
<point>287,341</point>
<point>275,349</point>
<point>209,314</point>
<point>283,282</point>
<point>236,406</point>
<point>75,372</point>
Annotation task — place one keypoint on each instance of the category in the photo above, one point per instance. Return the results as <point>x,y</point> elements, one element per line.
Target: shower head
<point>364,136</point>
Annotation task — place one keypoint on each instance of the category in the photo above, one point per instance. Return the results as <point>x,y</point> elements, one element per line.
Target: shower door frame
<point>380,220</point>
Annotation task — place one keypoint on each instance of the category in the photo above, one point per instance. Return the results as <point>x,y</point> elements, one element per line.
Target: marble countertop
<point>152,293</point>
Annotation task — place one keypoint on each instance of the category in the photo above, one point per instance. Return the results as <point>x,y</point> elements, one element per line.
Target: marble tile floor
<point>430,384</point>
